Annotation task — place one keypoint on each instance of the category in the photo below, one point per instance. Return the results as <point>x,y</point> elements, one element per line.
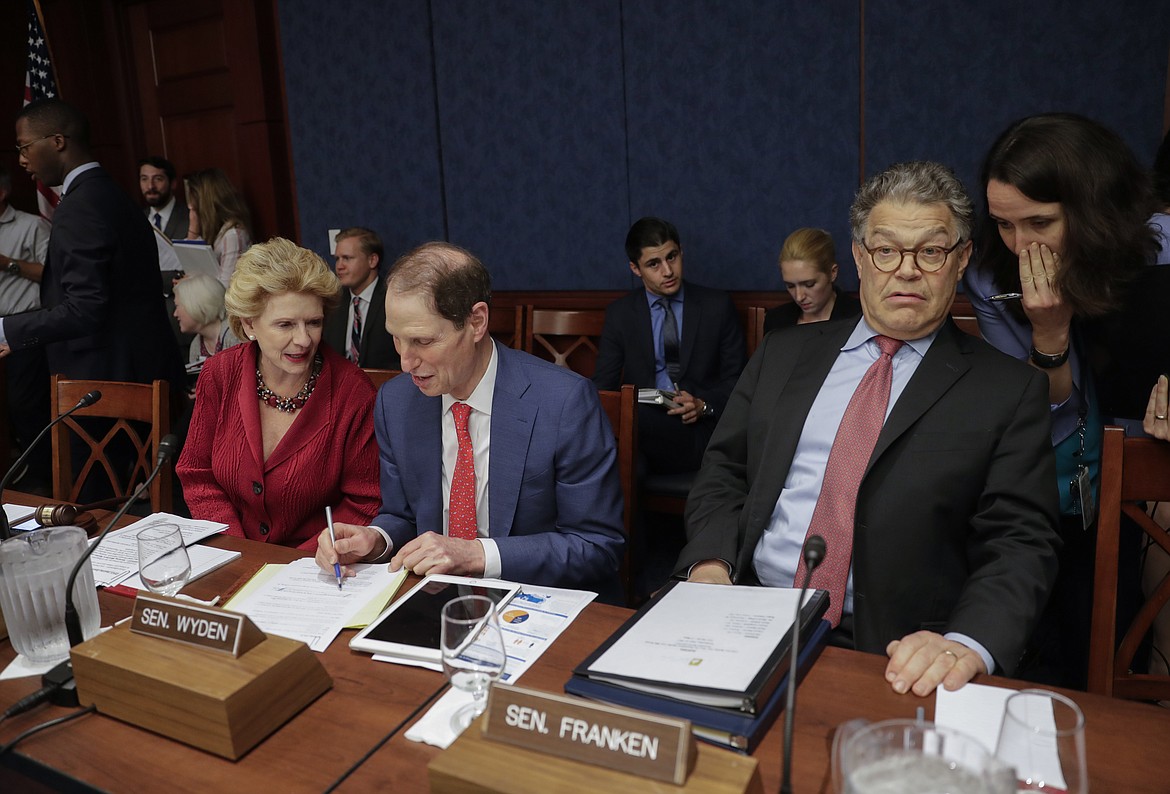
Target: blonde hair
<point>811,245</point>
<point>217,203</point>
<point>202,298</point>
<point>274,268</point>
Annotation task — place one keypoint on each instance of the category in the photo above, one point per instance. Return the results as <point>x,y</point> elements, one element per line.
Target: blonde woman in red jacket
<point>282,424</point>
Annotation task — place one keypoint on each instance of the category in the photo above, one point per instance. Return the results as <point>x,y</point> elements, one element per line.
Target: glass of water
<point>1043,737</point>
<point>473,652</point>
<point>163,563</point>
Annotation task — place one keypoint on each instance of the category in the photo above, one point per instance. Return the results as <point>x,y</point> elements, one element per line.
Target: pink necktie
<point>832,518</point>
<point>461,520</point>
<point>355,333</point>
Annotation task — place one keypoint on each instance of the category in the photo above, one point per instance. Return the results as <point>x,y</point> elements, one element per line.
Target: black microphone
<point>166,450</point>
<point>814,555</point>
<point>89,399</point>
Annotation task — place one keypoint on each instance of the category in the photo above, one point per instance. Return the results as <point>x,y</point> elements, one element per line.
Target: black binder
<point>751,700</point>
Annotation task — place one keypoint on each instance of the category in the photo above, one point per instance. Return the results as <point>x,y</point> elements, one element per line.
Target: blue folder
<point>729,728</point>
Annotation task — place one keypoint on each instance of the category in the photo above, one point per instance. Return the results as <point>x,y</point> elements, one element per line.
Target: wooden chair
<point>123,403</point>
<point>506,325</point>
<point>1133,471</point>
<point>380,376</point>
<point>963,313</point>
<point>622,409</point>
<point>566,337</point>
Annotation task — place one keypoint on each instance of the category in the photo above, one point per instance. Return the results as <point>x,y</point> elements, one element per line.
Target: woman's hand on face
<point>1049,314</point>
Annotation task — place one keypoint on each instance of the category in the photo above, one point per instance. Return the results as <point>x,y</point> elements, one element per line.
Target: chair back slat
<point>621,409</point>
<point>1133,471</point>
<point>567,337</point>
<point>139,415</point>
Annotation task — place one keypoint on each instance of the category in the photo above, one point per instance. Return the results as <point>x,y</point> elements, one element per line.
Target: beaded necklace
<point>288,404</point>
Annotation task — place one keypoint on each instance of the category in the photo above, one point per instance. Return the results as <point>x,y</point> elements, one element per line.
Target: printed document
<point>116,560</point>
<point>703,635</point>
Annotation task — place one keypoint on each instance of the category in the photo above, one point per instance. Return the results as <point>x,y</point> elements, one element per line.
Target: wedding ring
<point>1161,417</point>
<point>951,653</point>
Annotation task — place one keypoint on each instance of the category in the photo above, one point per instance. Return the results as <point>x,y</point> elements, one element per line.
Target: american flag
<point>39,83</point>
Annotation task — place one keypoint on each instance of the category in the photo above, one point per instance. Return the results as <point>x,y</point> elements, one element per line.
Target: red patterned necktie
<point>832,518</point>
<point>461,520</point>
<point>355,333</point>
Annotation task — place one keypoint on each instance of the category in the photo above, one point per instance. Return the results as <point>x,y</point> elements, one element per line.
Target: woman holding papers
<point>283,425</point>
<point>218,214</point>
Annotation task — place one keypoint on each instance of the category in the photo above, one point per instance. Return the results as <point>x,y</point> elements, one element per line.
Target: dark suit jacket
<point>787,314</point>
<point>956,517</point>
<point>554,498</point>
<point>377,348</point>
<point>711,348</point>
<point>177,225</point>
<point>102,315</point>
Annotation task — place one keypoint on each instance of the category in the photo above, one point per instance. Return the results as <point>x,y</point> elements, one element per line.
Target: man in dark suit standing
<point>357,327</point>
<point>101,314</point>
<point>676,336</point>
<point>921,454</point>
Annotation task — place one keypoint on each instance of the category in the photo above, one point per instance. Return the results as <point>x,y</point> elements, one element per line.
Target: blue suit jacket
<point>555,502</point>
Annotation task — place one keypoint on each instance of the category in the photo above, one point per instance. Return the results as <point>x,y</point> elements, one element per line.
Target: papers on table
<point>977,710</point>
<point>710,644</point>
<point>530,622</point>
<point>302,602</point>
<point>116,560</point>
<point>204,560</point>
<point>21,514</point>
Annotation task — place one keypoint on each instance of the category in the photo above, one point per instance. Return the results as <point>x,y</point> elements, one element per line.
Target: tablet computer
<point>410,627</point>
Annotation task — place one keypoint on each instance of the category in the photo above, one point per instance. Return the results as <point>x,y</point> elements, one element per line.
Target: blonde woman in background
<point>808,265</point>
<point>218,214</point>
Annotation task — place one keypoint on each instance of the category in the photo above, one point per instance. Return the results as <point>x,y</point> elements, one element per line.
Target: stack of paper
<point>116,559</point>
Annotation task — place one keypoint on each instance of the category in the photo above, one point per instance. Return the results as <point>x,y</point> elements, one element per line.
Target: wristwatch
<point>13,267</point>
<point>1048,360</point>
<point>707,409</point>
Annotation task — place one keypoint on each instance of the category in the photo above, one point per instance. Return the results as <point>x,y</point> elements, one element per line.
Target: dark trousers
<point>667,445</point>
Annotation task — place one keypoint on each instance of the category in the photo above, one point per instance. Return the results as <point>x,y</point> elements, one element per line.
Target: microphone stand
<point>814,553</point>
<point>87,400</point>
<point>64,671</point>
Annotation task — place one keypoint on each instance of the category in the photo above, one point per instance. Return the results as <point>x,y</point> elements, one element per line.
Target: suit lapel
<point>943,364</point>
<point>800,380</point>
<point>643,341</point>
<point>512,421</point>
<point>250,409</point>
<point>422,458</point>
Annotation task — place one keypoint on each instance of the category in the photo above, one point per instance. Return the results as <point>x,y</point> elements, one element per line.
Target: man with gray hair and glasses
<point>919,453</point>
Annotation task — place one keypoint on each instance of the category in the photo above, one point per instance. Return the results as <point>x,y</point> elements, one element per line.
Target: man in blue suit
<point>525,489</point>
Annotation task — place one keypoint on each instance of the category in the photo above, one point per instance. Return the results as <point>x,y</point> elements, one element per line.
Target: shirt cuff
<point>385,555</point>
<point>963,639</point>
<point>492,565</point>
<point>703,562</point>
<point>3,338</point>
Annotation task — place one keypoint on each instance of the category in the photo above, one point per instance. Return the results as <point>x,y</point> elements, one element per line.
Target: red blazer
<point>327,457</point>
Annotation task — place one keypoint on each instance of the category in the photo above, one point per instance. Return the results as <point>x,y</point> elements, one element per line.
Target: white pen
<point>1006,296</point>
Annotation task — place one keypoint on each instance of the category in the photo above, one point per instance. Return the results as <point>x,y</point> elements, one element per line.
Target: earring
<point>251,337</point>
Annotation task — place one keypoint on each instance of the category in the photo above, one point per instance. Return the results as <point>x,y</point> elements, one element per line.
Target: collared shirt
<point>164,212</point>
<point>657,318</point>
<point>778,553</point>
<point>479,426</point>
<point>76,172</point>
<point>25,237</point>
<point>364,296</point>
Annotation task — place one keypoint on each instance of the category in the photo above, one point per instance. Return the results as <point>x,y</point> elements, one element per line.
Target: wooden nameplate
<point>202,697</point>
<point>474,764</point>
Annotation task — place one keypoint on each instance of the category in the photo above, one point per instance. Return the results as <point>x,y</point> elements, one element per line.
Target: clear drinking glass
<point>473,652</point>
<point>163,563</point>
<point>1043,737</point>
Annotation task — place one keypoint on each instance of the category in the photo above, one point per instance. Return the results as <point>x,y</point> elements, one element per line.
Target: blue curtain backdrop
<point>535,131</point>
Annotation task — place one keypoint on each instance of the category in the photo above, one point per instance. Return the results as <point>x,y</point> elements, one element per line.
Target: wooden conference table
<point>361,721</point>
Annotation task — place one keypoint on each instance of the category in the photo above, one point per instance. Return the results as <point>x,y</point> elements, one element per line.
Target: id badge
<point>1081,490</point>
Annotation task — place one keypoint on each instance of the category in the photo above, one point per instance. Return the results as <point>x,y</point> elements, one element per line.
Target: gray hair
<point>917,182</point>
<point>201,296</point>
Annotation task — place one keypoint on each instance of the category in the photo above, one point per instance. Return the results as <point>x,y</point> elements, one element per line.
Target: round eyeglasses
<point>927,258</point>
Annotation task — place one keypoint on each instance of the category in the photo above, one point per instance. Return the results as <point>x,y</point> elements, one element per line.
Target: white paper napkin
<point>434,727</point>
